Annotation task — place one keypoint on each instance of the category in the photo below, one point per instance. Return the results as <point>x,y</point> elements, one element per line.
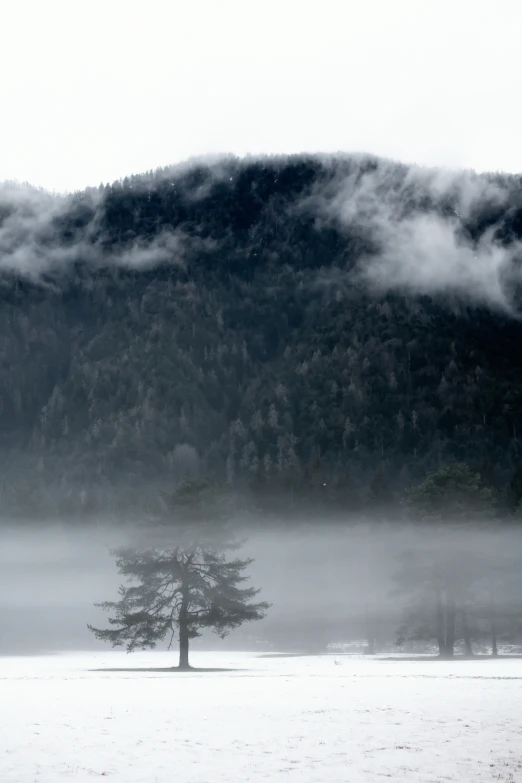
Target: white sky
<point>94,90</point>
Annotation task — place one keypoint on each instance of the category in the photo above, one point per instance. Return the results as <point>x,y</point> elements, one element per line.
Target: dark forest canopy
<point>318,330</point>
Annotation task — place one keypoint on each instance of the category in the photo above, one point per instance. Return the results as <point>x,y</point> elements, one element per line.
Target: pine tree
<point>187,581</point>
<point>441,578</point>
<point>453,494</point>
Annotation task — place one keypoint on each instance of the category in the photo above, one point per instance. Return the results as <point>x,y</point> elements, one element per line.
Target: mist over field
<point>325,584</point>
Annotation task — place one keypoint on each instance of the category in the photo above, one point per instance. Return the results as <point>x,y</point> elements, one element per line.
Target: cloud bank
<point>417,221</point>
<point>426,231</point>
<point>35,242</point>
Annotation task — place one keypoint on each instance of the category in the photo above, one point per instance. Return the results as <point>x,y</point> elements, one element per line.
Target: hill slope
<point>329,329</point>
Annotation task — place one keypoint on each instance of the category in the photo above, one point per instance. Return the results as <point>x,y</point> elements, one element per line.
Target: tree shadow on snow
<point>167,670</point>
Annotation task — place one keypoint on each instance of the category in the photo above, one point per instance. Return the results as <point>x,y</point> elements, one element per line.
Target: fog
<point>415,219</point>
<point>325,582</point>
<point>32,245</point>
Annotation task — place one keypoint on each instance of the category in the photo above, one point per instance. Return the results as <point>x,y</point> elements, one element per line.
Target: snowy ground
<point>329,719</point>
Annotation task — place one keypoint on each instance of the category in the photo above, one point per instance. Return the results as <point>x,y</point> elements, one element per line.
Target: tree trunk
<point>184,627</point>
<point>468,649</point>
<point>183,647</point>
<point>494,648</point>
<point>446,619</point>
<point>370,648</point>
<point>493,623</point>
<point>450,626</point>
<point>441,641</point>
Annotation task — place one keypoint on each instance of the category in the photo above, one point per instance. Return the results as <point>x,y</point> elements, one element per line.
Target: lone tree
<point>188,580</point>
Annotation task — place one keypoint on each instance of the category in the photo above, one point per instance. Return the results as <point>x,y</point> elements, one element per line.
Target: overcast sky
<point>92,91</point>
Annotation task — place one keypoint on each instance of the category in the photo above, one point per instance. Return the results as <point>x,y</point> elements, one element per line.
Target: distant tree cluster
<point>456,590</point>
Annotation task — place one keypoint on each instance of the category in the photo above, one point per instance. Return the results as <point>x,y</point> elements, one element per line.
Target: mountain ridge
<point>281,324</point>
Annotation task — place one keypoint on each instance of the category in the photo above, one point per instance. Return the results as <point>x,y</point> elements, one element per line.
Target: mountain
<point>313,329</point>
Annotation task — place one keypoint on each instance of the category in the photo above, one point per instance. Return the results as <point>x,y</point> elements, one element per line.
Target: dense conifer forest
<point>317,332</point>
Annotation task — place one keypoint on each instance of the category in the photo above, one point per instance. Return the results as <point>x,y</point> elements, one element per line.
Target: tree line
<point>457,588</point>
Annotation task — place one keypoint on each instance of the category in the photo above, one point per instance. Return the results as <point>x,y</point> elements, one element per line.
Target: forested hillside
<point>313,330</point>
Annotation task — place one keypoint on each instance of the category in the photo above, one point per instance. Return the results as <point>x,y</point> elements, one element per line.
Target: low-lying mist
<point>328,584</point>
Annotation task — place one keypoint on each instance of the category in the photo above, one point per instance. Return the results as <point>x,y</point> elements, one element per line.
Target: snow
<point>326,719</point>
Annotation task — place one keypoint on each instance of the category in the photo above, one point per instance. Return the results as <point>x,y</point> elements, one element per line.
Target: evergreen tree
<point>187,581</point>
<point>453,494</point>
<point>443,574</point>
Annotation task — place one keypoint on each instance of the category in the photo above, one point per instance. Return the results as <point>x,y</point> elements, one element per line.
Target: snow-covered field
<point>325,719</point>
